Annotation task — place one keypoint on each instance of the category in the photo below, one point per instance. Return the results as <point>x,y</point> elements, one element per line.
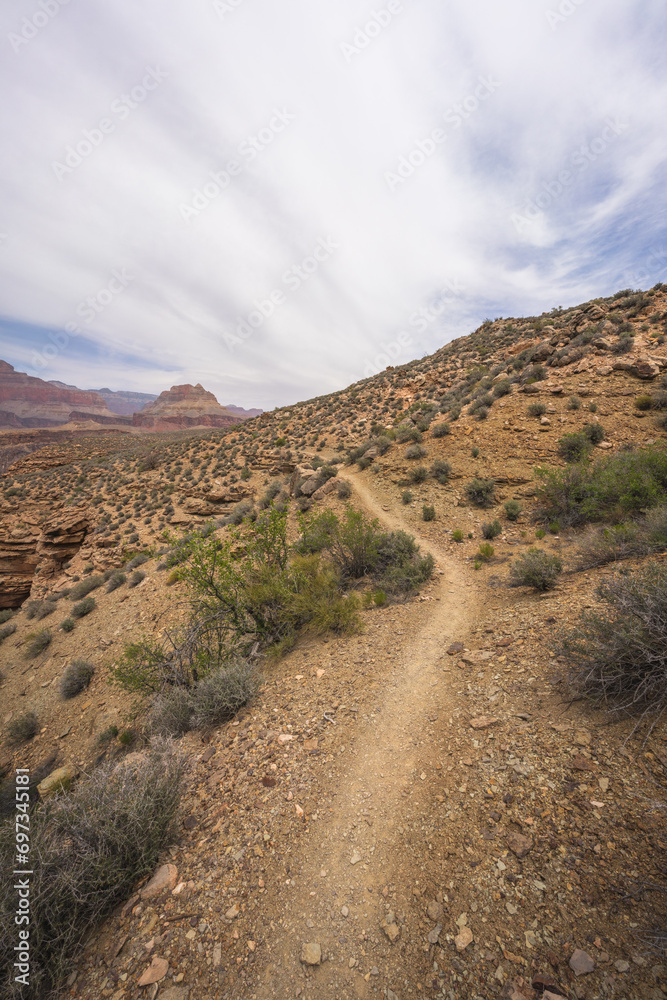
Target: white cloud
<point>326,128</point>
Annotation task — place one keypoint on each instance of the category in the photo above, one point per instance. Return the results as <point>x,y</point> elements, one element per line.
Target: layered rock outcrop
<point>26,401</point>
<point>33,551</point>
<point>184,406</point>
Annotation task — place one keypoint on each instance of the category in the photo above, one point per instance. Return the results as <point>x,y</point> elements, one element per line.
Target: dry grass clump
<point>87,850</point>
<point>618,654</point>
<point>76,678</point>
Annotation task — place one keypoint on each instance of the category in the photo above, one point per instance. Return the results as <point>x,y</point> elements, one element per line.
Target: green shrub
<point>428,513</point>
<point>76,678</point>
<point>441,471</point>
<point>415,451</point>
<point>7,630</point>
<point>37,642</point>
<point>594,432</point>
<point>407,496</point>
<point>408,432</point>
<point>379,598</point>
<point>536,568</point>
<point>441,430</point>
<point>481,492</point>
<point>537,409</point>
<point>616,654</point>
<point>512,509</point>
<point>136,578</point>
<point>457,535</point>
<point>574,447</point>
<point>474,452</point>
<point>22,728</point>
<point>486,552</point>
<point>67,625</point>
<point>419,475</point>
<point>503,387</point>
<point>491,529</point>
<point>574,403</point>
<point>611,489</point>
<point>83,607</point>
<point>88,849</point>
<point>343,489</point>
<point>84,587</point>
<point>540,533</point>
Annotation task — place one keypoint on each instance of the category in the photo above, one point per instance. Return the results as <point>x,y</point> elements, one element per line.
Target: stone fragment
<point>176,993</point>
<point>311,953</point>
<point>432,936</point>
<point>233,912</point>
<point>356,858</point>
<point>463,939</point>
<point>59,779</point>
<point>393,931</point>
<point>165,877</point>
<point>621,965</point>
<point>519,844</point>
<point>483,722</point>
<point>435,910</point>
<point>456,647</point>
<point>581,963</point>
<point>156,971</point>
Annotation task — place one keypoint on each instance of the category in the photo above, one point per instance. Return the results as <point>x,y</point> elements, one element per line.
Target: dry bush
<point>87,850</point>
<point>617,655</point>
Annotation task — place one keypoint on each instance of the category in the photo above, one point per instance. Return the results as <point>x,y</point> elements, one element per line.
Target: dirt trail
<point>383,764</point>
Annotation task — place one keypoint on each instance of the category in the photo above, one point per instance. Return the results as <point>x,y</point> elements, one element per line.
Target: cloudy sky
<point>276,199</point>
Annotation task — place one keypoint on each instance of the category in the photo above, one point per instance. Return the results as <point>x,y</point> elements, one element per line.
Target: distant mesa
<point>27,401</point>
<point>186,406</point>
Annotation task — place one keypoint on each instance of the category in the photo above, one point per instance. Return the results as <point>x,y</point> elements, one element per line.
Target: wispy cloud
<point>364,88</point>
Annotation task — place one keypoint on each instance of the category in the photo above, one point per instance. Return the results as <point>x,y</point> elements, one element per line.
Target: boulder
<point>58,780</point>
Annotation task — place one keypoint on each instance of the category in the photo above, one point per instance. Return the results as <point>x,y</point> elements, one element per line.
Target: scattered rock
<point>581,963</point>
<point>463,939</point>
<point>311,954</point>
<point>621,965</point>
<point>519,844</point>
<point>54,782</point>
<point>432,936</point>
<point>435,910</point>
<point>483,722</point>
<point>165,877</point>
<point>392,930</point>
<point>356,858</point>
<point>233,912</point>
<point>156,971</point>
<point>176,993</point>
<point>456,647</point>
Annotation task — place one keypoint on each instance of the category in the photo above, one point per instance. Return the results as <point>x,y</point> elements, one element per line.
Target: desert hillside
<point>412,798</point>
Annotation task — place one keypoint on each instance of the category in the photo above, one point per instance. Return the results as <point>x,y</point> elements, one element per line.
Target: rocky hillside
<point>416,810</point>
